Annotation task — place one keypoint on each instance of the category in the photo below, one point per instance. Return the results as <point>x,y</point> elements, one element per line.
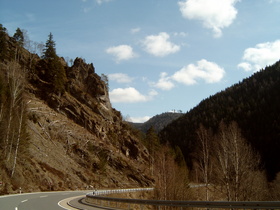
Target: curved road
<point>37,201</point>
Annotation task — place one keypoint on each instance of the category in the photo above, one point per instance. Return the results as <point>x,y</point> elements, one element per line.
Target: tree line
<point>228,165</point>
<point>168,168</point>
<point>14,76</point>
<point>253,105</point>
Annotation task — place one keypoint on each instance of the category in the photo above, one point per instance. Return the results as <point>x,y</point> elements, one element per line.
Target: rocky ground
<point>75,140</point>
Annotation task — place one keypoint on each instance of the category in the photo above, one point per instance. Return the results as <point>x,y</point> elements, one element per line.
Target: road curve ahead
<point>37,201</point>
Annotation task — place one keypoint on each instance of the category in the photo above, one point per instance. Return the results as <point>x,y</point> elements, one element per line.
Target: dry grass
<point>63,155</point>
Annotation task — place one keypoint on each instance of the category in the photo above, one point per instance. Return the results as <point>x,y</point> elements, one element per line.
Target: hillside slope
<point>158,122</point>
<point>53,141</point>
<point>253,103</point>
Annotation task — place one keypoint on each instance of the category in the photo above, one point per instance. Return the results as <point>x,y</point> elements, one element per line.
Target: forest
<point>247,111</point>
<point>229,142</point>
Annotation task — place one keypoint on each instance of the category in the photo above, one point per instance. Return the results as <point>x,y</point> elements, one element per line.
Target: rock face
<point>87,87</point>
<point>76,140</point>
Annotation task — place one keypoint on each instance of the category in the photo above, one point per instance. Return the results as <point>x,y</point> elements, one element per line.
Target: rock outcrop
<point>76,140</point>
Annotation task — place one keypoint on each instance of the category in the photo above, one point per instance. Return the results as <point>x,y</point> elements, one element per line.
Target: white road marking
<point>43,196</point>
<point>64,203</point>
<point>24,200</point>
<point>16,208</point>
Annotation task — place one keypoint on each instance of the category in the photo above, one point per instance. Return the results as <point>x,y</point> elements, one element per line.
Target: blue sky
<point>159,55</point>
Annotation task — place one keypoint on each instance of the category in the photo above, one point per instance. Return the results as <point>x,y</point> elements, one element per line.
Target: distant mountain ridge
<point>158,122</point>
<point>253,103</point>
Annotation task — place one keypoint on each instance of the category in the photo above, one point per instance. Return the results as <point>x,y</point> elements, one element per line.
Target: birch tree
<point>204,156</point>
<point>15,87</point>
<point>171,178</point>
<point>12,119</point>
<point>19,134</point>
<point>236,164</point>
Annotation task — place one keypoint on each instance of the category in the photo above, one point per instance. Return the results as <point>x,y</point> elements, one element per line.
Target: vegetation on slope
<point>252,104</point>
<point>58,129</point>
<point>158,122</point>
<point>60,132</point>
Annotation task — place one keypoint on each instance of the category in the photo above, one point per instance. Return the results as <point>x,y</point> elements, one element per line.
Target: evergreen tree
<point>50,51</point>
<point>52,68</point>
<point>3,43</point>
<point>152,144</point>
<point>19,37</point>
<point>152,140</point>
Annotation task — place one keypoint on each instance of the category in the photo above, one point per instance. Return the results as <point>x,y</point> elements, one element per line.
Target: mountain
<point>158,122</point>
<point>66,137</point>
<point>253,103</point>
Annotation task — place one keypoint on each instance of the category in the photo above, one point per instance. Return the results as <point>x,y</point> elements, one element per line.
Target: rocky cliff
<point>74,140</point>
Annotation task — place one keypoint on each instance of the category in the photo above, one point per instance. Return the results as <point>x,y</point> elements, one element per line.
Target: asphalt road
<point>37,201</point>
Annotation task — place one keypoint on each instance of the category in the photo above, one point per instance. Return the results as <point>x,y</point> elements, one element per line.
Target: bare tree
<point>171,179</point>
<point>14,110</point>
<point>275,188</point>
<point>222,163</point>
<point>19,133</point>
<point>204,157</point>
<point>236,164</point>
<point>34,48</point>
<point>15,84</point>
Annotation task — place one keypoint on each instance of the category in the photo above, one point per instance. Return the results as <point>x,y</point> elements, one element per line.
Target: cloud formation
<point>120,78</point>
<point>121,52</point>
<point>180,34</point>
<point>138,119</point>
<point>164,82</point>
<point>208,71</point>
<point>135,30</point>
<point>102,1</point>
<point>204,70</point>
<point>214,14</point>
<point>260,56</point>
<point>274,1</point>
<point>130,95</point>
<point>159,45</point>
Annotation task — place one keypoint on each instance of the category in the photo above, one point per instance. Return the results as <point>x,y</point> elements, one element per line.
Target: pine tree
<point>152,143</point>
<point>50,51</point>
<point>19,37</point>
<point>3,43</point>
<point>53,68</point>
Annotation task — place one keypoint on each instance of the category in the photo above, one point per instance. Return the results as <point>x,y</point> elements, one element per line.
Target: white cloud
<point>208,71</point>
<point>274,1</point>
<point>214,14</point>
<point>180,34</point>
<point>120,78</point>
<point>121,52</point>
<point>164,82</point>
<point>260,56</point>
<point>245,66</point>
<point>138,119</point>
<point>102,1</point>
<point>159,45</point>
<point>130,95</point>
<point>135,30</point>
<point>87,9</point>
<point>204,70</point>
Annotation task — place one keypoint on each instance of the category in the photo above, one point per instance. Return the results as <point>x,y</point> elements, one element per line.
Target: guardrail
<point>106,192</point>
<point>94,197</point>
